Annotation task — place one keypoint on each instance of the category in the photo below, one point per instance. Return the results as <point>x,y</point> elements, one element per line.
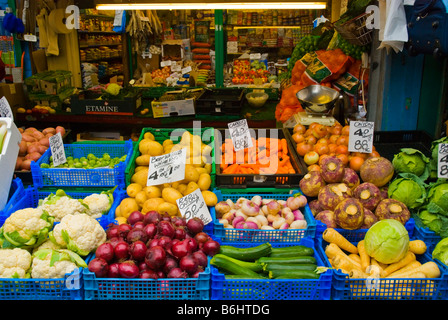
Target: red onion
<point>121,251</point>
<point>165,228</point>
<point>178,221</point>
<point>180,233</point>
<point>192,244</point>
<point>138,225</point>
<point>188,264</point>
<point>160,274</point>
<point>166,217</point>
<point>177,273</point>
<point>152,217</point>
<point>201,258</point>
<point>150,230</point>
<point>142,265</point>
<point>135,217</point>
<point>105,251</point>
<point>197,272</point>
<point>211,247</point>
<point>155,257</point>
<point>148,274</point>
<point>152,243</point>
<point>180,249</point>
<point>165,242</point>
<point>115,240</point>
<point>123,229</point>
<point>99,266</point>
<point>201,237</point>
<point>138,250</point>
<point>113,270</point>
<point>128,269</point>
<point>195,225</point>
<point>170,263</point>
<point>112,231</point>
<point>136,235</point>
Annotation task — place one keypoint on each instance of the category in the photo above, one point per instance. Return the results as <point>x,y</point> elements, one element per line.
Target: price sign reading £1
<point>361,136</point>
<point>442,166</point>
<point>193,205</point>
<point>239,132</point>
<point>167,168</point>
<point>57,149</point>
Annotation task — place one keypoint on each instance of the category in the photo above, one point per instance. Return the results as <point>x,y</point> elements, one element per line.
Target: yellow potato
<point>191,186</point>
<point>190,173</point>
<point>167,143</point>
<point>148,135</point>
<point>121,220</point>
<point>167,208</point>
<point>142,160</point>
<point>133,188</point>
<point>171,195</point>
<point>182,187</point>
<point>138,168</point>
<point>118,211</point>
<point>208,167</point>
<point>210,198</point>
<point>150,147</point>
<point>151,204</point>
<point>153,192</point>
<point>201,170</point>
<point>140,177</point>
<point>128,205</point>
<point>140,198</point>
<point>204,181</point>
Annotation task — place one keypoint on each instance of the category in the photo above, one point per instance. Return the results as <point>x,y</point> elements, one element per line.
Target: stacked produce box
<point>145,225</point>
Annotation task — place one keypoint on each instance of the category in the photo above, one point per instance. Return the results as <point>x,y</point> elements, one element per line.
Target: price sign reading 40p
<point>57,149</point>
<point>361,136</point>
<point>239,132</point>
<point>442,167</point>
<point>193,205</point>
<point>167,168</point>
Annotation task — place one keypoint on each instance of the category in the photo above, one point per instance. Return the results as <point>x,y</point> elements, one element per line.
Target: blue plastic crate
<point>345,288</point>
<point>68,288</point>
<point>32,195</point>
<point>252,235</point>
<point>146,289</point>
<point>16,192</point>
<point>272,289</point>
<point>78,177</point>
<point>358,234</point>
<point>422,232</point>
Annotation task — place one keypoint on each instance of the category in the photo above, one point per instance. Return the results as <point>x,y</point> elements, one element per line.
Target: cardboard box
<point>124,107</point>
<point>14,93</point>
<point>173,108</point>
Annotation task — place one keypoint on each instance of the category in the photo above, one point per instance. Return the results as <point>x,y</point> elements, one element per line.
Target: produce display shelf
<point>239,180</point>
<point>32,195</point>
<point>271,289</point>
<point>79,177</point>
<point>345,288</point>
<point>253,235</point>
<point>16,192</point>
<point>146,289</point>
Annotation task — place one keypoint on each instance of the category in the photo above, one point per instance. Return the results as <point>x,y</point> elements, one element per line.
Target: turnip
<point>296,202</point>
<point>349,214</point>
<point>327,217</point>
<point>298,224</point>
<point>330,195</point>
<point>376,170</point>
<point>392,209</point>
<point>222,208</point>
<point>250,208</point>
<point>332,169</point>
<point>312,183</point>
<point>350,178</point>
<point>369,219</point>
<point>368,194</point>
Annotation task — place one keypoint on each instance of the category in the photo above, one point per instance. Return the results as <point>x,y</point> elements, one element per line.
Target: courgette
<point>246,254</point>
<point>242,277</point>
<point>292,251</point>
<point>224,263</point>
<point>254,266</point>
<point>288,267</point>
<point>299,274</point>
<point>296,260</point>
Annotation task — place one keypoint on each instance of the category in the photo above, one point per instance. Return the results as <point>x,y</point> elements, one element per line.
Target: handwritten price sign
<point>239,132</point>
<point>361,136</point>
<point>193,205</point>
<point>167,168</point>
<point>5,109</point>
<point>442,166</point>
<point>57,149</point>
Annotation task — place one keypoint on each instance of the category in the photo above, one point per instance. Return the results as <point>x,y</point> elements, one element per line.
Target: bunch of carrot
<point>261,158</point>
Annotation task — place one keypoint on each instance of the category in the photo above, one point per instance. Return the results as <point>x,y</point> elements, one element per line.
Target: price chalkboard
<point>239,132</point>
<point>442,163</point>
<point>193,205</point>
<point>167,168</point>
<point>57,149</point>
<point>361,136</point>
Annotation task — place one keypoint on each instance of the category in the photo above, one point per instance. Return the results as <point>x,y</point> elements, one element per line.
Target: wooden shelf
<point>82,46</point>
<point>102,32</point>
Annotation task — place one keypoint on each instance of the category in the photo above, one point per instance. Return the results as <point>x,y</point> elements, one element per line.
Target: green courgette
<point>288,267</point>
<point>292,251</point>
<point>299,274</point>
<point>242,277</point>
<point>254,266</point>
<point>296,260</point>
<point>247,254</point>
<point>223,262</point>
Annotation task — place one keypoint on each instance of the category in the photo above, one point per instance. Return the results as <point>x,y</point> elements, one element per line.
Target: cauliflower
<point>47,244</point>
<point>60,204</point>
<point>26,228</point>
<point>53,264</point>
<point>99,203</point>
<point>80,233</point>
<point>14,263</point>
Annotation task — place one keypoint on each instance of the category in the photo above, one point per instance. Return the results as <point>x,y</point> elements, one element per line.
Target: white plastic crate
<point>8,158</point>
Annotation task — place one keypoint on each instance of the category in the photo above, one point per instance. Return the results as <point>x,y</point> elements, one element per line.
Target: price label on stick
<point>193,205</point>
<point>57,149</point>
<point>5,109</point>
<point>239,132</point>
<point>361,136</point>
<point>442,163</point>
<point>167,168</point>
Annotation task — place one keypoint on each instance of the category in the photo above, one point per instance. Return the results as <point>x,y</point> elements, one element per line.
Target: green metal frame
<point>219,48</point>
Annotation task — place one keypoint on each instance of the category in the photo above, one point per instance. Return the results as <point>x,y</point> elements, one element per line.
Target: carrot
<point>417,246</point>
<point>365,258</point>
<point>201,57</point>
<point>231,169</point>
<point>205,67</point>
<point>284,146</point>
<point>333,236</point>
<point>408,258</point>
<point>201,44</point>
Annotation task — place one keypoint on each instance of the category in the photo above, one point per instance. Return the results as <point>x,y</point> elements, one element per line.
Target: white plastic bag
<point>393,26</point>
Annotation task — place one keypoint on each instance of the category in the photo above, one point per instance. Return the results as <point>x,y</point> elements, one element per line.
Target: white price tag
<point>167,168</point>
<point>5,109</point>
<point>176,68</point>
<point>186,70</point>
<point>442,163</point>
<point>193,205</point>
<point>30,38</point>
<point>239,132</point>
<point>118,18</point>
<point>57,149</point>
<point>361,136</point>
<point>166,63</point>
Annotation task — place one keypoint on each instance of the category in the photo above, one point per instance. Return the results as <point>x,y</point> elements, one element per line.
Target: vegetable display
<point>262,213</point>
<point>154,246</point>
<point>266,262</point>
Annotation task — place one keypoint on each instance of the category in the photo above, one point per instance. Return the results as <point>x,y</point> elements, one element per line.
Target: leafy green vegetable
<point>438,197</point>
<point>441,251</point>
<point>410,160</point>
<point>409,189</point>
<point>434,222</point>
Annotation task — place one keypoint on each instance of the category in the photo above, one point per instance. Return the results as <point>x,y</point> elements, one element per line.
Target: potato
<point>167,143</point>
<point>60,129</point>
<point>133,188</point>
<point>38,135</point>
<point>167,208</point>
<point>151,204</point>
<point>18,163</point>
<point>148,135</point>
<point>140,198</point>
<point>34,156</point>
<point>210,198</point>
<point>118,212</point>
<point>138,168</point>
<point>26,165</point>
<point>204,181</point>
<point>142,160</point>
<point>201,170</point>
<point>153,192</point>
<point>182,187</point>
<point>121,220</point>
<point>27,137</point>
<point>49,130</point>
<point>191,175</point>
<point>140,177</point>
<point>22,148</point>
<point>208,167</point>
<point>171,195</point>
<point>128,205</point>
<point>151,147</point>
<point>191,186</point>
